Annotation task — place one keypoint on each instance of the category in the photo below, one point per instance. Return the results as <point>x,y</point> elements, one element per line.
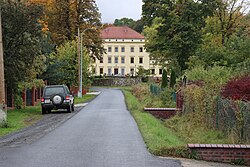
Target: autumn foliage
<point>237,89</point>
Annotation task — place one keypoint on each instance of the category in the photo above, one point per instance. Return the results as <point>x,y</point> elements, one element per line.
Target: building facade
<point>125,53</point>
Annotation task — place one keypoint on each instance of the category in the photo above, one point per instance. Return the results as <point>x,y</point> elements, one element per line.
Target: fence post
<point>217,112</point>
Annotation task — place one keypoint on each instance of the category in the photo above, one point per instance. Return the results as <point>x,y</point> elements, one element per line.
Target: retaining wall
<point>116,81</point>
<point>228,153</point>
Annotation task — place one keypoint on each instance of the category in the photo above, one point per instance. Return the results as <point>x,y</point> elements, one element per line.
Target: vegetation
<point>156,136</point>
<point>136,25</point>
<point>168,138</point>
<point>22,35</point>
<point>18,119</point>
<point>66,16</point>
<point>164,82</point>
<point>84,99</point>
<point>237,89</point>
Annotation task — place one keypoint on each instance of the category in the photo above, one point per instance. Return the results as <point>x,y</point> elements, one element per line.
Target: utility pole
<point>79,64</point>
<point>3,107</point>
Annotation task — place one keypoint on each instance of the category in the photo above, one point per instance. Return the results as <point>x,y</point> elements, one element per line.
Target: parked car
<point>57,97</point>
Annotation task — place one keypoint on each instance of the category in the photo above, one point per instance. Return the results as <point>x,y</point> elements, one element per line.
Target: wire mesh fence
<point>233,117</point>
<point>154,89</point>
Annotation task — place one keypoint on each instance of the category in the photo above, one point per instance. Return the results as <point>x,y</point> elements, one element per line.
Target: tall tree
<point>124,22</point>
<point>65,17</point>
<point>228,16</point>
<point>21,41</point>
<point>180,32</point>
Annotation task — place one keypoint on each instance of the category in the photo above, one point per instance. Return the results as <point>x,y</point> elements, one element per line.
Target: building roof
<point>120,33</point>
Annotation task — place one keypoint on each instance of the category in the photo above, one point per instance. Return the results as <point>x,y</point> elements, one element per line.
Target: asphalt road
<point>102,134</point>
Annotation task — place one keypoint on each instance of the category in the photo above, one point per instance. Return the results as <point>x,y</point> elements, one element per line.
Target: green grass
<point>84,99</point>
<point>169,138</point>
<point>18,119</point>
<point>157,137</point>
<point>192,130</point>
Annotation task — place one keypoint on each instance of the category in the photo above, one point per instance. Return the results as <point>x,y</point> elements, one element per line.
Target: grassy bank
<point>159,139</point>
<point>169,138</point>
<point>19,119</point>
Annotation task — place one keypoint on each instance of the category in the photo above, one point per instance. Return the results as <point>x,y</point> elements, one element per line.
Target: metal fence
<point>156,90</point>
<point>233,117</point>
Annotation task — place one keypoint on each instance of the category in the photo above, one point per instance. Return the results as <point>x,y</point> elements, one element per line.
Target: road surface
<point>102,134</point>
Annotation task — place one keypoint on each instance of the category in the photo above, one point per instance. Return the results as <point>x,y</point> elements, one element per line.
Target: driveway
<point>102,134</point>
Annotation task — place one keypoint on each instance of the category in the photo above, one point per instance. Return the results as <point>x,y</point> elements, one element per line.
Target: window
<point>152,71</point>
<point>132,60</point>
<point>109,60</point>
<point>122,71</point>
<point>141,49</point>
<point>101,70</point>
<point>122,60</point>
<point>116,59</point>
<point>160,71</point>
<point>132,49</point>
<point>109,71</point>
<point>116,49</point>
<point>101,60</point>
<point>123,49</point>
<point>109,49</point>
<point>141,60</point>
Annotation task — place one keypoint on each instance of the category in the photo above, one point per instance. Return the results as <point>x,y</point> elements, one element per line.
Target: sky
<point>117,9</point>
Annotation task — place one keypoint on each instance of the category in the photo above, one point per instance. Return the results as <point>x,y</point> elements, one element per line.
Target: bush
<point>237,89</point>
<point>164,82</point>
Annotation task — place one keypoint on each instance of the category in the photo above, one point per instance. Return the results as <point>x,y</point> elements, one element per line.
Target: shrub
<point>237,89</point>
<point>172,79</point>
<point>164,82</point>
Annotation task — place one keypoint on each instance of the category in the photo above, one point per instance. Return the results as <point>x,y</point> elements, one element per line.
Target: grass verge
<point>84,99</point>
<point>159,139</point>
<point>18,119</point>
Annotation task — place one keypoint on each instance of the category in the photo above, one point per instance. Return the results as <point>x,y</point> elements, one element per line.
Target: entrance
<point>115,71</point>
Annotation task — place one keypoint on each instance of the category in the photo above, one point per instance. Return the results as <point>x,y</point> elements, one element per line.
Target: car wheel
<point>49,111</point>
<point>44,111</point>
<point>57,100</point>
<point>69,109</point>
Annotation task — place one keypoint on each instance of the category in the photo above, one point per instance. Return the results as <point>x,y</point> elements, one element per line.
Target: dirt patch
<point>37,130</point>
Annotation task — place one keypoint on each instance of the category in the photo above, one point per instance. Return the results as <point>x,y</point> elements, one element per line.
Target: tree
<point>164,82</point>
<point>62,68</point>
<point>228,15</point>
<point>21,42</point>
<point>180,32</point>
<point>64,17</point>
<point>172,79</point>
<point>124,22</point>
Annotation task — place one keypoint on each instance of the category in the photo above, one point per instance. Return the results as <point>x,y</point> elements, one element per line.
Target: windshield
<point>53,90</point>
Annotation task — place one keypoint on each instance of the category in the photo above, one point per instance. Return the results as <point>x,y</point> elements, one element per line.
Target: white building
<point>125,53</point>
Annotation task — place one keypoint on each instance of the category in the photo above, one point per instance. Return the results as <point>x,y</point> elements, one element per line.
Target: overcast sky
<point>117,9</point>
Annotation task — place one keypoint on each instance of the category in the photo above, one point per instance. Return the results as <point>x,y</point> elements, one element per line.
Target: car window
<point>53,90</point>
<point>67,90</point>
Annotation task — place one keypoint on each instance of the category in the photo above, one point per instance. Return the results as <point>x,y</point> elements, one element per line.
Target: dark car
<point>57,97</point>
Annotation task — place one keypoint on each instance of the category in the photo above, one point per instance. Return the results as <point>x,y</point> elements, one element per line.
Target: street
<point>102,134</point>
